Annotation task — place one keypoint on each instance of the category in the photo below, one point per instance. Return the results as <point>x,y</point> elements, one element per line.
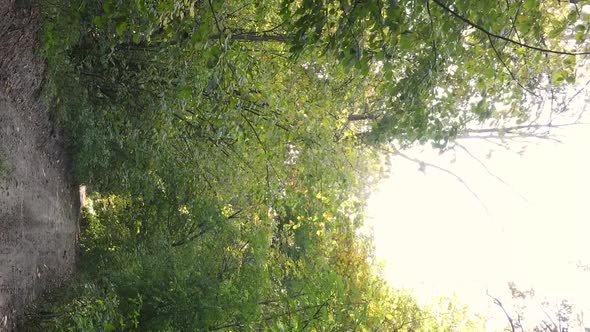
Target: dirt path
<point>38,201</point>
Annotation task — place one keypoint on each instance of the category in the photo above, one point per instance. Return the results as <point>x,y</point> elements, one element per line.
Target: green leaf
<point>489,72</point>
<point>99,21</point>
<point>405,42</point>
<point>108,326</point>
<point>107,6</point>
<point>121,28</point>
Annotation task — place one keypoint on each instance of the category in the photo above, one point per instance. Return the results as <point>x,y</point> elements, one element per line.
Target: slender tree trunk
<point>256,37</point>
<point>359,117</point>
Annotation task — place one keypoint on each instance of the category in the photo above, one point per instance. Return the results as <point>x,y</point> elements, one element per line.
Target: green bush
<point>93,308</point>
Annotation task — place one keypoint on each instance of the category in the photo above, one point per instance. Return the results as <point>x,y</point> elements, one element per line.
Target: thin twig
<point>499,304</point>
<point>215,17</point>
<point>529,126</point>
<point>514,78</point>
<point>432,33</point>
<point>485,167</point>
<point>457,177</point>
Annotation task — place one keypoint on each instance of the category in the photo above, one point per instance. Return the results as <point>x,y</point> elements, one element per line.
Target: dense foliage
<point>231,145</point>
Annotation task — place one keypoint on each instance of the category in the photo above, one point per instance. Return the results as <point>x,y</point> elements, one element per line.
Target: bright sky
<point>437,238</point>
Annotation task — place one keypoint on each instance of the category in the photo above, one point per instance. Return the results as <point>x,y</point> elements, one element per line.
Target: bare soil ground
<point>39,203</point>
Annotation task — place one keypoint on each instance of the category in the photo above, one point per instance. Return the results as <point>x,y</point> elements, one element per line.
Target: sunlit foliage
<point>231,146</point>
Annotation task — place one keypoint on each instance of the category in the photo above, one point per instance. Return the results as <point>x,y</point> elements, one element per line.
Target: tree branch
<point>215,17</point>
<point>190,238</point>
<point>485,167</point>
<point>520,127</point>
<point>253,36</point>
<point>360,117</point>
<point>423,165</point>
<point>495,35</point>
<point>514,78</point>
<point>499,304</point>
<point>432,33</point>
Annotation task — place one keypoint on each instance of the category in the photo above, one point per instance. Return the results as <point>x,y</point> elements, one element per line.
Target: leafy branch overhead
<point>434,61</point>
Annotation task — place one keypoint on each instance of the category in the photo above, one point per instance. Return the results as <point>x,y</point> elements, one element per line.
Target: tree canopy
<point>231,145</point>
